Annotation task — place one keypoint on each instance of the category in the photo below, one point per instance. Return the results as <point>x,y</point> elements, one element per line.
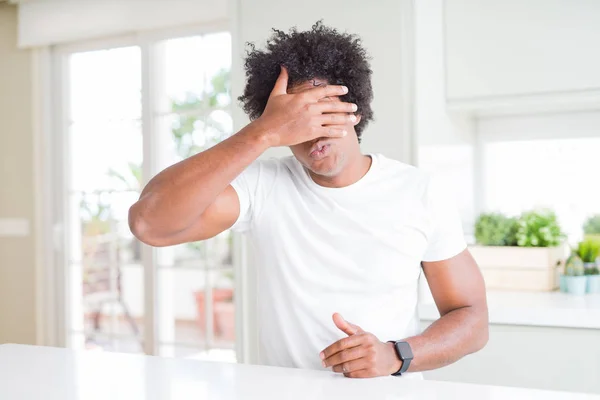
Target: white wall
<point>520,47</point>
<point>17,263</point>
<point>445,142</point>
<point>533,357</point>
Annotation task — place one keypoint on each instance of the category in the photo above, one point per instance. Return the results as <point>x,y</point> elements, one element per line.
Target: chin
<point>326,167</point>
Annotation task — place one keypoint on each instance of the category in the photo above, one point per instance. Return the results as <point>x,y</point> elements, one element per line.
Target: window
<point>560,174</point>
<point>132,109</point>
<point>512,164</point>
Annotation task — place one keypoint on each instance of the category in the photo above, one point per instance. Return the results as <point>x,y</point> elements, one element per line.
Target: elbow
<point>140,227</point>
<point>483,338</point>
<point>482,333</point>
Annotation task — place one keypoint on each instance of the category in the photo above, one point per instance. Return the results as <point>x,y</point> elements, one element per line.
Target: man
<point>336,232</point>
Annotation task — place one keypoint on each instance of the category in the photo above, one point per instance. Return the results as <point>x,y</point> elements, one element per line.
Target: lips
<point>320,150</point>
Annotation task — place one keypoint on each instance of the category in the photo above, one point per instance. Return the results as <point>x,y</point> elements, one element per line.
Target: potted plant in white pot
<point>574,279</point>
<point>523,253</point>
<point>593,279</point>
<point>588,251</point>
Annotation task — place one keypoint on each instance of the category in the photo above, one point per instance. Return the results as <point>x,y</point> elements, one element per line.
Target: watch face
<point>404,350</point>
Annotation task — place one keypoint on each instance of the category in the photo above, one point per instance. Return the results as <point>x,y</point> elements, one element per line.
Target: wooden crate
<point>520,268</point>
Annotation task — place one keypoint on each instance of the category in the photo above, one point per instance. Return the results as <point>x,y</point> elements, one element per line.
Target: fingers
<point>281,83</point>
<point>344,357</point>
<point>336,119</point>
<point>363,373</point>
<point>352,366</point>
<point>331,131</point>
<point>338,320</point>
<point>342,344</point>
<point>316,94</point>
<point>323,107</point>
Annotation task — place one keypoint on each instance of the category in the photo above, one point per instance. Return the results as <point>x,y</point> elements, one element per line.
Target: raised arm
<point>193,199</point>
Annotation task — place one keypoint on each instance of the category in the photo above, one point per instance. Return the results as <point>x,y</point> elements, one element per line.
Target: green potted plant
<point>588,251</point>
<point>591,227</point>
<point>574,278</point>
<point>522,253</point>
<point>495,229</point>
<point>593,279</point>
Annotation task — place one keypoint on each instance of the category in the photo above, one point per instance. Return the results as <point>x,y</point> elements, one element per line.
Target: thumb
<point>281,83</point>
<point>345,326</point>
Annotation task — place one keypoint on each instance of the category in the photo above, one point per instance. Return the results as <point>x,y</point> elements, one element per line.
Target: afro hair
<point>322,53</point>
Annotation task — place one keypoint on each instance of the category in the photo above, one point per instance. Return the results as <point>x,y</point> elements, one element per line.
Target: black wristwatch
<point>404,353</point>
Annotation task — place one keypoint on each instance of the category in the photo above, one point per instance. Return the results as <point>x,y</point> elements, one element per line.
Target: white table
<point>32,373</point>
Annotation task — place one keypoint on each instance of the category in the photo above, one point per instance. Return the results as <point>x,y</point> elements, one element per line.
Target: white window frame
<point>51,116</point>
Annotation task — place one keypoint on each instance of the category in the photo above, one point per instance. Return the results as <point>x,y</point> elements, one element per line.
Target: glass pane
<point>192,116</point>
<point>186,315</point>
<point>558,174</point>
<point>105,237</point>
<point>190,133</point>
<point>197,70</point>
<point>106,155</point>
<point>106,275</point>
<point>218,65</point>
<point>110,304</point>
<point>106,84</point>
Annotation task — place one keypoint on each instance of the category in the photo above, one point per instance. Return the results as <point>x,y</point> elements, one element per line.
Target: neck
<point>353,171</point>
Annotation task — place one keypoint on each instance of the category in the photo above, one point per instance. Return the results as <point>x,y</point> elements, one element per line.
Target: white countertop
<point>553,309</point>
<point>31,373</point>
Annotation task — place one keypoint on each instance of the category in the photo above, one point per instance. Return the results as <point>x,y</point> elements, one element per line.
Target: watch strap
<point>404,353</point>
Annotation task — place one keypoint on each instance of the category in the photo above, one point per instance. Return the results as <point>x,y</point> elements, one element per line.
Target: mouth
<point>320,150</point>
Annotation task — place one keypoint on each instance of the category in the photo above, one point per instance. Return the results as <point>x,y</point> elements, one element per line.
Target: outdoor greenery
<point>536,228</point>
<point>592,225</point>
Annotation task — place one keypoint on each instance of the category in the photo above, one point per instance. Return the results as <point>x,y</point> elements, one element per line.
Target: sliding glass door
<point>130,109</point>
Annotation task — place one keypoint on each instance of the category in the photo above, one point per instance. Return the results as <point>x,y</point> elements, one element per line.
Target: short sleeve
<point>253,186</point>
<point>446,238</point>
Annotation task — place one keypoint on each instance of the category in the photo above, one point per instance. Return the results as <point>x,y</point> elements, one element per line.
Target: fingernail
<point>353,118</point>
<point>354,107</point>
<point>345,89</point>
<point>324,365</point>
<point>322,355</point>
<point>344,133</point>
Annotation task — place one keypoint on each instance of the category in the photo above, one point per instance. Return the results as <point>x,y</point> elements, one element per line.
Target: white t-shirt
<point>355,250</point>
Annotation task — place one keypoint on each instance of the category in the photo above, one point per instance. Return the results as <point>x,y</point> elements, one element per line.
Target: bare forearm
<point>177,196</point>
<point>458,333</point>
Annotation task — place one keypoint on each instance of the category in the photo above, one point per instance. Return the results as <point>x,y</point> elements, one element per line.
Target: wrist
<point>264,132</point>
<point>259,135</point>
<point>396,365</point>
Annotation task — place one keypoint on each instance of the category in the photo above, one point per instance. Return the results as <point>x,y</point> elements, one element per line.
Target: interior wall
<point>17,268</point>
<point>516,47</point>
<point>446,143</point>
